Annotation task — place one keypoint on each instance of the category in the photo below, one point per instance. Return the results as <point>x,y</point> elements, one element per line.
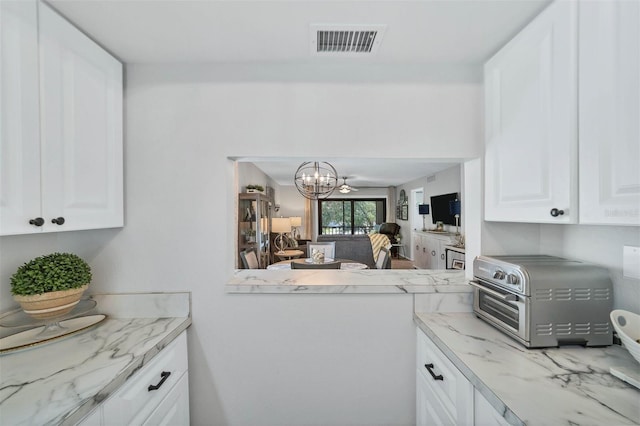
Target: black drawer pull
<point>429,367</point>
<point>164,376</point>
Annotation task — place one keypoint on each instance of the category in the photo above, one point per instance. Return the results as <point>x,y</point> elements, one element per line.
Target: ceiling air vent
<point>345,40</point>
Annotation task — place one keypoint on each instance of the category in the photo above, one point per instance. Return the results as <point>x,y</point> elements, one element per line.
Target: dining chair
<point>305,265</point>
<point>383,258</point>
<point>328,247</point>
<point>249,259</point>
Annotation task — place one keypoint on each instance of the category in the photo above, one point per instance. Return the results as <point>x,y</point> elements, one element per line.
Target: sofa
<point>354,247</point>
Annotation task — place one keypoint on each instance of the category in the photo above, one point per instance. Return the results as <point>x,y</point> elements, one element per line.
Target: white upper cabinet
<point>19,117</point>
<point>531,115</point>
<point>609,105</point>
<point>61,147</point>
<point>81,118</point>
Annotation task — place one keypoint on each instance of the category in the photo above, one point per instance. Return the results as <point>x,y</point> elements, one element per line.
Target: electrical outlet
<point>631,262</point>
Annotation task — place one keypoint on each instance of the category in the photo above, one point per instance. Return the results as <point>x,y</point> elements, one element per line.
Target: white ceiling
<point>437,37</point>
<point>267,31</point>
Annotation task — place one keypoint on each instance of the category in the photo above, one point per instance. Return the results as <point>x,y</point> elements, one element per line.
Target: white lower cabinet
<point>484,414</point>
<point>430,251</point>
<point>157,394</point>
<point>174,408</point>
<point>444,396</point>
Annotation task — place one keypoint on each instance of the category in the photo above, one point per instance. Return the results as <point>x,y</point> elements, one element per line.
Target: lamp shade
<point>296,221</point>
<point>423,208</point>
<point>454,207</point>
<point>280,225</point>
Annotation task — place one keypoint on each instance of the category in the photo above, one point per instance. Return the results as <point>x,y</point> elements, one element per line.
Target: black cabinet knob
<point>555,212</point>
<point>58,220</point>
<point>38,221</point>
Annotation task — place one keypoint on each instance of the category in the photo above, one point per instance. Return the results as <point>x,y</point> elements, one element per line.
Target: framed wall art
<point>405,212</point>
<point>457,264</point>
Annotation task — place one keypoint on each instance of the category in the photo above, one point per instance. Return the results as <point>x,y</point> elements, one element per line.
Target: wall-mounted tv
<point>440,208</point>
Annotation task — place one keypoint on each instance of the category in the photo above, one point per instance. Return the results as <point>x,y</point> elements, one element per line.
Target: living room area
<point>375,206</point>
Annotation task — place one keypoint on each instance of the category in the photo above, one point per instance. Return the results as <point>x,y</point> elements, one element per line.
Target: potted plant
<point>255,188</point>
<point>51,285</point>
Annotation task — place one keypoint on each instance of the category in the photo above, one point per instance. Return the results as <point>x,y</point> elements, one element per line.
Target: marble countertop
<point>62,381</point>
<point>348,281</point>
<point>554,386</point>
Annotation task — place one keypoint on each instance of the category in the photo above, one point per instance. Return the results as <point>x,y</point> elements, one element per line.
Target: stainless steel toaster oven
<point>544,301</point>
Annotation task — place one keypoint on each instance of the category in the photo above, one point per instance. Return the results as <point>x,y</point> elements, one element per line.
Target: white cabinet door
<point>531,122</point>
<point>433,249</point>
<point>19,118</point>
<point>609,112</point>
<point>429,409</point>
<point>444,392</point>
<point>174,408</point>
<point>81,118</point>
<point>139,397</point>
<point>421,257</point>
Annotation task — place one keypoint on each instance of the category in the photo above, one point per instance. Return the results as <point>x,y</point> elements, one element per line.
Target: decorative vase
<point>317,256</point>
<point>52,304</point>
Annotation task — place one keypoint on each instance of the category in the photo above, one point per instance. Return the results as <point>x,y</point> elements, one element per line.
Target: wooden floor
<point>401,263</point>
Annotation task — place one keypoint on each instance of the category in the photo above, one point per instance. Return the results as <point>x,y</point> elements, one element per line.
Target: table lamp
<point>423,209</point>
<point>281,225</point>
<point>295,222</point>
<point>454,209</point>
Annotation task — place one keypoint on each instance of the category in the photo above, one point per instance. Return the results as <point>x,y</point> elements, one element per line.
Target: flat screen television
<point>440,208</point>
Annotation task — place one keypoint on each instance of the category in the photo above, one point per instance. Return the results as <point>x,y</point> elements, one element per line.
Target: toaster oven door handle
<point>507,296</point>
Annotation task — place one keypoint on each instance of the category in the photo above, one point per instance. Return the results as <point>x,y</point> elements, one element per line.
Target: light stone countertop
<point>570,385</point>
<point>60,382</point>
<point>309,281</point>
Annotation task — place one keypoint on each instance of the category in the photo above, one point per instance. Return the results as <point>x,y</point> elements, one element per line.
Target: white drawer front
<point>174,409</point>
<point>430,411</point>
<point>450,386</point>
<point>134,402</point>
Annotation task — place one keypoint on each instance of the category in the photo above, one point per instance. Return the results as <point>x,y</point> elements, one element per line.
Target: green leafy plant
<point>52,272</point>
<point>256,187</point>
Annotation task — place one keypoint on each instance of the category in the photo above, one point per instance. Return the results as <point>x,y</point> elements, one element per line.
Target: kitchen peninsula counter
<point>570,385</point>
<point>60,382</point>
<point>386,281</point>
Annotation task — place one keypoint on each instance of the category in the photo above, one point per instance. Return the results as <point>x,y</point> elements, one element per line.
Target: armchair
<point>391,229</point>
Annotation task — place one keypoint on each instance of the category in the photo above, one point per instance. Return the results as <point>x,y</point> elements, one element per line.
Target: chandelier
<point>316,180</point>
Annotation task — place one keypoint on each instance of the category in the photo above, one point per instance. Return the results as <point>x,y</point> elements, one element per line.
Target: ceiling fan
<point>344,188</point>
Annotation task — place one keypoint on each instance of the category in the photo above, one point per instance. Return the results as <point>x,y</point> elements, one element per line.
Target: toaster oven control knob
<point>512,279</point>
<point>498,274</point>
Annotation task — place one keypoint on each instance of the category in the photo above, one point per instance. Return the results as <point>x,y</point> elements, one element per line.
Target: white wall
<point>601,245</point>
<point>443,182</point>
<point>288,359</point>
<point>249,174</point>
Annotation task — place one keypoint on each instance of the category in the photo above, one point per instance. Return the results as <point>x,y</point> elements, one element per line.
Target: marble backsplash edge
<point>443,302</point>
<point>144,305</point>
